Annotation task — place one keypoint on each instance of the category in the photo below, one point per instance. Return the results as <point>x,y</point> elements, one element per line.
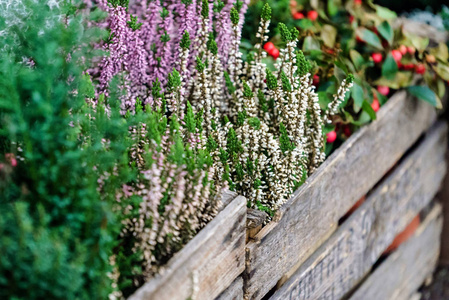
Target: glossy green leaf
<point>385,13</point>
<point>386,31</point>
<point>304,24</point>
<point>369,110</point>
<point>369,37</point>
<point>426,94</point>
<point>442,71</point>
<point>389,68</point>
<point>332,7</point>
<point>357,94</point>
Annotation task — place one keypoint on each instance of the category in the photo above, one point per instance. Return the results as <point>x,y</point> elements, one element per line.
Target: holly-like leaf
<point>389,68</point>
<point>426,94</point>
<point>369,37</point>
<point>386,31</point>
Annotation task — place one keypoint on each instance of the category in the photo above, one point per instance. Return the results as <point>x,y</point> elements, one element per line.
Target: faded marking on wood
<point>342,261</point>
<point>233,292</point>
<point>405,270</point>
<point>216,257</point>
<point>347,175</point>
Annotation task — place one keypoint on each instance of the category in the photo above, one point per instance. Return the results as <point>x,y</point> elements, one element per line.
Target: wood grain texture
<point>343,260</point>
<point>234,291</point>
<point>444,197</point>
<point>313,212</point>
<point>405,270</point>
<point>213,260</point>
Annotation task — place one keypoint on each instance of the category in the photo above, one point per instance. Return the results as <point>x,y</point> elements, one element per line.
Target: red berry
<point>269,46</point>
<point>331,136</point>
<point>375,105</point>
<point>402,49</point>
<point>420,69</point>
<point>383,90</point>
<point>408,67</point>
<point>312,15</point>
<point>377,57</point>
<point>298,16</point>
<point>396,55</point>
<point>411,50</point>
<point>351,19</point>
<point>358,2</point>
<point>347,130</point>
<point>274,53</point>
<point>316,79</point>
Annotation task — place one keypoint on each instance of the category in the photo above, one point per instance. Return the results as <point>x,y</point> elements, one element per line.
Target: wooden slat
<point>312,213</point>
<point>343,260</point>
<point>208,264</point>
<point>234,292</point>
<point>444,197</point>
<point>405,270</point>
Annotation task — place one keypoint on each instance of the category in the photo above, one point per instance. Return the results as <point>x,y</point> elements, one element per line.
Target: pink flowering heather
<point>144,42</point>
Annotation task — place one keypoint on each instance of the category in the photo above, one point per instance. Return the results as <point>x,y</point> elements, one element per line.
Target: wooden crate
<point>348,255</point>
<point>208,264</point>
<point>313,212</point>
<point>405,270</point>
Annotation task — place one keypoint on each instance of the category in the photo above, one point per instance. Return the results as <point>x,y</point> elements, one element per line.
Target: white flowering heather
<point>332,107</point>
<point>205,124</point>
<point>235,63</point>
<point>256,68</point>
<point>314,131</point>
<point>174,192</point>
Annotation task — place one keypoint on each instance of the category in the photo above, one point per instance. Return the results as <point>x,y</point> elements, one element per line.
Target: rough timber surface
<point>343,260</point>
<point>312,213</point>
<point>233,292</point>
<point>208,264</point>
<point>444,197</point>
<point>405,270</point>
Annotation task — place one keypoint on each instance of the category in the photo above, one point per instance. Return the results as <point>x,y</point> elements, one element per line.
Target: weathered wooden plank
<point>233,292</point>
<point>405,270</point>
<point>208,264</point>
<point>444,197</point>
<point>254,222</point>
<point>315,208</point>
<point>342,261</point>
